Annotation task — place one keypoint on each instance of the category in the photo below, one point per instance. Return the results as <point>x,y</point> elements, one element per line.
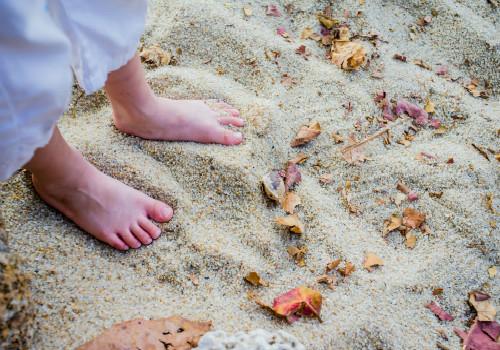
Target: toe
<point>152,230</point>
<point>232,111</point>
<point>141,234</point>
<point>226,137</point>
<point>129,239</point>
<point>160,212</point>
<point>231,121</point>
<point>116,242</point>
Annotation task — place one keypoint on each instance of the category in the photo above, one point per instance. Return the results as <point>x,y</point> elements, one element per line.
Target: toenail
<point>238,135</point>
<point>165,212</point>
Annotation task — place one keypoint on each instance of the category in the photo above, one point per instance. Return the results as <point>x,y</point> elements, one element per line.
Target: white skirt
<point>42,43</point>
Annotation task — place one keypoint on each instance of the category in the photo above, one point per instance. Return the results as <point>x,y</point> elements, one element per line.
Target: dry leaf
<point>347,270</point>
<point>306,33</point>
<point>422,64</point>
<point>174,333</point>
<point>298,254</point>
<point>194,279</point>
<point>346,54</point>
<point>411,240</point>
<point>274,186</point>
<point>332,265</point>
<point>328,280</point>
<point>287,81</point>
<point>326,179</point>
<point>272,10</point>
<point>481,151</point>
<point>355,154</point>
<point>290,202</point>
<point>412,218</point>
<point>299,158</point>
<point>247,10</point>
<point>400,186</point>
<point>154,56</point>
<point>391,224</point>
<point>442,70</point>
<point>306,134</point>
<point>292,222</point>
<point>399,57</point>
<point>254,279</point>
<point>326,21</point>
<point>372,260</point>
<point>481,336</point>
<point>429,106</point>
<point>301,301</point>
<point>489,202</point>
<point>436,309</point>
<point>292,176</point>
<point>419,115</point>
<point>492,271</point>
<point>481,302</point>
<point>281,31</point>
<point>337,137</point>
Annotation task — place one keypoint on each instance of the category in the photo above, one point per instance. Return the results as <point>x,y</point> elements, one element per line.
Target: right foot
<point>102,206</point>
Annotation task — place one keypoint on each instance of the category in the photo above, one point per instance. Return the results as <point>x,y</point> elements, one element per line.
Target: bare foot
<point>180,120</point>
<point>137,111</point>
<point>104,207</point>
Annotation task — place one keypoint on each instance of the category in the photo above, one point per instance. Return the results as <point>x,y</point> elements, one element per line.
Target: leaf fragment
<point>371,261</point>
<point>328,280</point>
<point>306,134</point>
<point>272,10</point>
<point>326,179</point>
<point>254,279</point>
<point>247,10</point>
<point>346,54</point>
<point>391,224</point>
<point>154,56</point>
<point>291,201</point>
<point>292,176</point>
<point>411,240</point>
<point>412,218</point>
<point>292,222</point>
<point>298,254</point>
<point>332,265</point>
<point>481,151</point>
<point>439,312</point>
<point>347,270</point>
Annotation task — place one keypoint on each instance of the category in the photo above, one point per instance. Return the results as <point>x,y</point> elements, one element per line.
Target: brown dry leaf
<point>326,179</point>
<point>194,279</point>
<point>372,260</point>
<point>354,155</point>
<point>430,107</point>
<point>298,159</point>
<point>391,224</point>
<point>332,265</point>
<point>174,333</point>
<point>274,186</point>
<point>306,134</point>
<point>306,33</point>
<point>412,218</point>
<point>411,240</point>
<point>481,302</point>
<point>154,56</point>
<point>346,54</point>
<point>292,222</point>
<point>247,10</point>
<point>337,137</point>
<point>481,151</point>
<point>254,279</point>
<point>291,201</point>
<point>347,270</point>
<point>298,254</point>
<point>328,280</point>
<point>422,64</point>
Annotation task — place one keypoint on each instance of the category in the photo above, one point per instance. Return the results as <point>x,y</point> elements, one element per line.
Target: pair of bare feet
<point>102,206</point>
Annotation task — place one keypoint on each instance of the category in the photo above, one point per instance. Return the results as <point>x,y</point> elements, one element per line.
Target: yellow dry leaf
<point>346,54</point>
<point>429,106</point>
<point>348,269</point>
<point>481,302</point>
<point>372,260</point>
<point>254,279</point>
<point>326,21</point>
<point>298,254</point>
<point>155,56</point>
<point>306,33</point>
<point>391,224</point>
<point>247,10</point>
<point>299,158</point>
<point>492,271</point>
<point>306,134</point>
<point>292,222</point>
<point>291,201</point>
<point>332,265</point>
<point>411,240</point>
<point>361,2</point>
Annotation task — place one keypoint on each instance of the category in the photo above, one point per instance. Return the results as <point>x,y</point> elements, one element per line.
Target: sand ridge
<point>224,226</point>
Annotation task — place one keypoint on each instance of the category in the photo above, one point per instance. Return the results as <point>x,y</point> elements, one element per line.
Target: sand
<point>224,226</point>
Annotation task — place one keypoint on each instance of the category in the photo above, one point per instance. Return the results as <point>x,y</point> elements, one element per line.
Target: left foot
<point>180,120</point>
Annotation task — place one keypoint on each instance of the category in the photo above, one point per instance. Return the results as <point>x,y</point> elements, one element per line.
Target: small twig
<point>371,137</point>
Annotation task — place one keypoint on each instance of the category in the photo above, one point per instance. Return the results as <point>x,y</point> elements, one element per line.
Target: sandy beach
<point>224,226</point>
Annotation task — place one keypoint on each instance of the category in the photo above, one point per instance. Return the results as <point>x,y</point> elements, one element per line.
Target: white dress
<point>42,44</point>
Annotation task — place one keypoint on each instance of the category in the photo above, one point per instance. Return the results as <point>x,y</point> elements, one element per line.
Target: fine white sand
<point>224,227</point>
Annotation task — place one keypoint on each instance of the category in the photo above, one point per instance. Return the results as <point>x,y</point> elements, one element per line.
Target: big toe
<point>160,212</point>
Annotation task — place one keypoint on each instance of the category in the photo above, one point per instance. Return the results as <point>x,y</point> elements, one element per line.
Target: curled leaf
<point>412,218</point>
<point>481,336</point>
<point>254,279</point>
<point>371,261</point>
<point>347,270</point>
<point>290,202</point>
<point>292,222</point>
<point>292,176</point>
<point>328,280</point>
<point>391,224</point>
<point>298,254</point>
<point>301,301</point>
<point>274,186</point>
<point>418,114</point>
<point>150,334</point>
<point>439,312</point>
<point>155,56</point>
<point>481,302</point>
<point>306,134</point>
<point>299,158</point>
<point>346,54</point>
<point>272,10</point>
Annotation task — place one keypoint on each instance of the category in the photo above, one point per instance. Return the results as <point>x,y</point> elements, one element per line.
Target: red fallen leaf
<point>302,51</point>
<point>481,336</point>
<point>442,70</point>
<point>301,301</point>
<point>421,117</point>
<point>435,123</point>
<point>282,32</point>
<point>292,176</point>
<point>436,309</point>
<point>272,10</point>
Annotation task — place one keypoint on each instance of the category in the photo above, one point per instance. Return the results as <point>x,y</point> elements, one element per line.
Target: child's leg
<point>106,208</point>
<point>138,112</point>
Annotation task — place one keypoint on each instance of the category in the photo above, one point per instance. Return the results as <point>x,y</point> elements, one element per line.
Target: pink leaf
<point>272,10</point>
<point>481,336</point>
<point>436,309</point>
<point>442,70</point>
<point>421,117</point>
<point>435,123</point>
<point>292,176</point>
<point>281,31</point>
<point>412,196</point>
